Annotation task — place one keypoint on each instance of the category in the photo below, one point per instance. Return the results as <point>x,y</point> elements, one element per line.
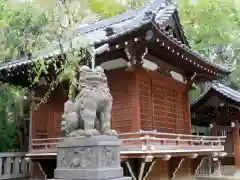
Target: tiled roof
<point>157,12</point>
<point>222,89</point>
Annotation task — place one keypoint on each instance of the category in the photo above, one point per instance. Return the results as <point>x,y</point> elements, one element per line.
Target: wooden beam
<point>163,64</point>
<point>207,76</point>
<point>108,56</point>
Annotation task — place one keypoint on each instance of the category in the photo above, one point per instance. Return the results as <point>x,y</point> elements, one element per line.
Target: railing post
<point>24,166</point>
<point>177,140</point>
<point>7,165</point>
<point>217,168</point>
<point>210,165</point>
<point>12,166</point>
<point>1,164</point>
<point>16,165</point>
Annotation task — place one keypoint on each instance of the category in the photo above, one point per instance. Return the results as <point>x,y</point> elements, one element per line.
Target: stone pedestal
<point>89,158</point>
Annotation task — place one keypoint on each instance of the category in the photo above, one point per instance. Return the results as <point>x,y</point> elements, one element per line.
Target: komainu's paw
<point>110,132</point>
<point>92,132</point>
<point>77,133</point>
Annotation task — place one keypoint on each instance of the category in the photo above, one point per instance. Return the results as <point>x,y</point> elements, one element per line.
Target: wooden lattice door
<point>40,122</point>
<point>169,106</point>
<point>159,105</point>
<point>162,104</point>
<point>145,103</point>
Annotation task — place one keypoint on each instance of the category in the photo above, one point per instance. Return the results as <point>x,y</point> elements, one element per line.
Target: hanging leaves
<point>213,29</point>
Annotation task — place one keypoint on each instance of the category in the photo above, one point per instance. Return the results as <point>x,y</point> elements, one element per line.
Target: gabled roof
<point>121,24</point>
<point>158,13</point>
<point>219,89</point>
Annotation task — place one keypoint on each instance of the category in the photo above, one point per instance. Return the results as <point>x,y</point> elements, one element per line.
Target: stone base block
<point>122,178</point>
<point>89,158</point>
<point>88,174</point>
<point>237,173</point>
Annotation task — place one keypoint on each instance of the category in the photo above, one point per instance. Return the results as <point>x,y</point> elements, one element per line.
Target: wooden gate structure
<point>218,109</point>
<point>150,69</point>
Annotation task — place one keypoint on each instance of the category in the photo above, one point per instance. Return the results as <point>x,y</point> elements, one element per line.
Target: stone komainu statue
<point>94,98</point>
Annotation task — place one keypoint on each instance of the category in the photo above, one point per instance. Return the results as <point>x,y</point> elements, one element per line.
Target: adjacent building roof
<point>209,107</point>
<point>221,90</point>
<point>158,13</point>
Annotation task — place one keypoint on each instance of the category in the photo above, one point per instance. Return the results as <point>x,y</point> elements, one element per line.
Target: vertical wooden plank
<point>136,116</point>
<point>137,123</point>
<point>16,165</point>
<point>122,91</point>
<point>236,145</point>
<point>7,166</point>
<point>145,103</point>
<point>39,124</point>
<point>31,121</point>
<point>158,104</point>
<point>188,112</point>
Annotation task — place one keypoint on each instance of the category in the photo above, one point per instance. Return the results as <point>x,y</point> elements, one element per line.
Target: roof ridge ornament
<point>149,15</point>
<point>109,31</point>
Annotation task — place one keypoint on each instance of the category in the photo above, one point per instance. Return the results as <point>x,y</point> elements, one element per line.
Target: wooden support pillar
<point>236,147</point>
<point>214,129</point>
<point>30,133</point>
<point>217,165</point>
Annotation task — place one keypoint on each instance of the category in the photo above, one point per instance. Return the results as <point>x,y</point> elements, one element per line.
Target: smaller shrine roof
<point>223,90</point>
<point>219,103</point>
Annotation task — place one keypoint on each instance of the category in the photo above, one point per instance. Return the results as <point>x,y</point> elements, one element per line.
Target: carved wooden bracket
<point>134,54</point>
<point>190,81</point>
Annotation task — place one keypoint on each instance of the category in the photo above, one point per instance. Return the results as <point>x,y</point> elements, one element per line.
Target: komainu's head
<point>87,76</point>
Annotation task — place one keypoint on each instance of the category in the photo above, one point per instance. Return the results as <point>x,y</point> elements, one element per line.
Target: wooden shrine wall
<point>47,118</point>
<point>142,100</point>
<point>163,103</point>
<point>122,85</point>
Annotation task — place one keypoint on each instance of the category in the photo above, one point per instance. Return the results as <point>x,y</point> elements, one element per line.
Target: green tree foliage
<point>213,29</point>
<point>106,9</point>
<point>11,117</point>
<point>20,26</point>
<point>41,27</point>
